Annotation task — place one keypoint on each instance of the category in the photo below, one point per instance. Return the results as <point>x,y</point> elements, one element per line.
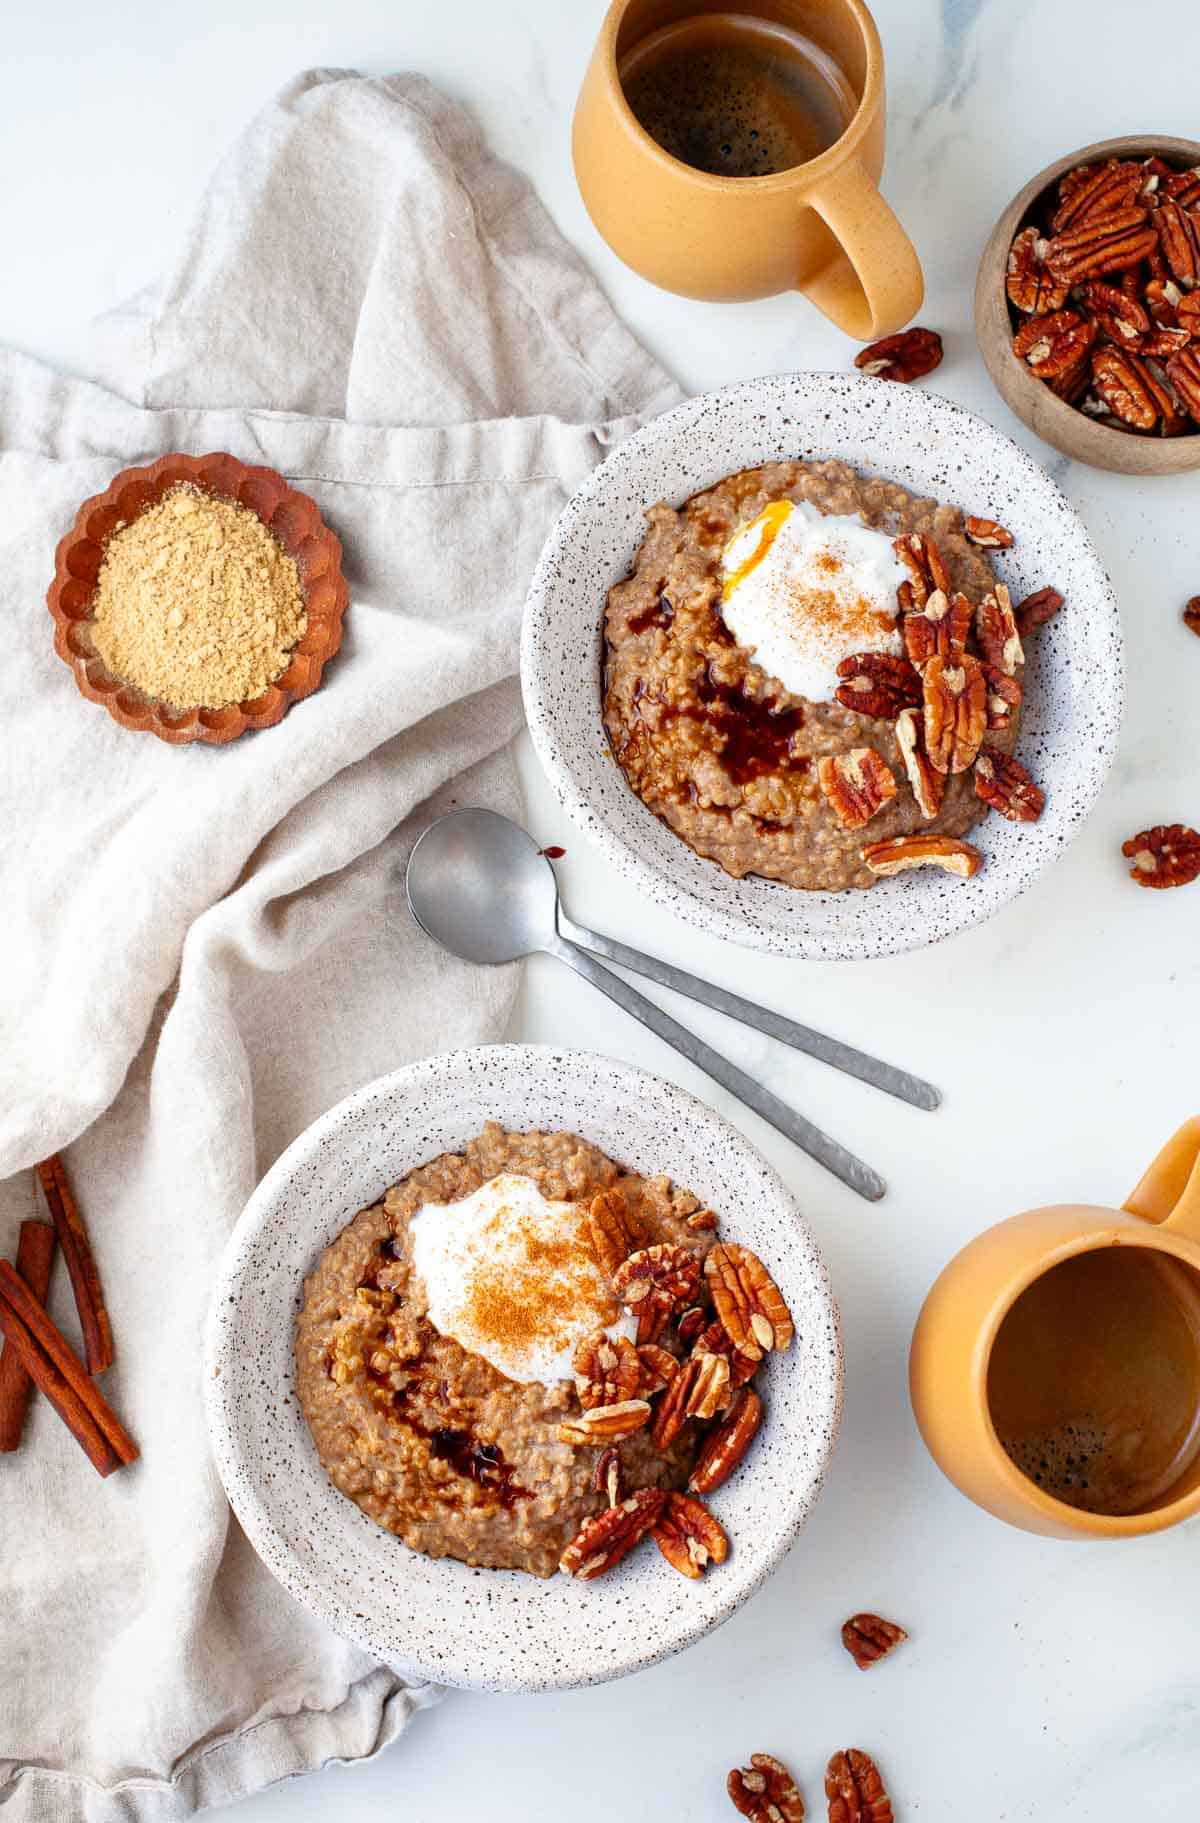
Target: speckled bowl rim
<point>761,914</point>
<point>229,1371</point>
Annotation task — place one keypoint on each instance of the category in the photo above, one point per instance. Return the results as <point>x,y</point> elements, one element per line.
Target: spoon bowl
<point>478,885</point>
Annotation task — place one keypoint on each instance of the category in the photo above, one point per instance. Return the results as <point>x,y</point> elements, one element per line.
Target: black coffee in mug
<point>735,95</point>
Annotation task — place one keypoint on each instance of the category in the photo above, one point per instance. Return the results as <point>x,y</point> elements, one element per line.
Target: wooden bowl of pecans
<point>1087,305</point>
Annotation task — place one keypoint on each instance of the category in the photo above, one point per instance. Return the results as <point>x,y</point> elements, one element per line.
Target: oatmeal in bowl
<point>529,1359</point>
<point>815,610</point>
<point>804,669</point>
<point>524,1370</point>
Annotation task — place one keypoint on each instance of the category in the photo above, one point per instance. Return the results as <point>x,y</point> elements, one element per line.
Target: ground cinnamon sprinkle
<point>537,1297</point>
<point>197,602</point>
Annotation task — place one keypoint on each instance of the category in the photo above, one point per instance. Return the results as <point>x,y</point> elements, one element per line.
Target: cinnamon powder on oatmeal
<point>197,602</point>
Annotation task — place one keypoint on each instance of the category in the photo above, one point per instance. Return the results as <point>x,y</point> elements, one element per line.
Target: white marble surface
<point>1044,1680</point>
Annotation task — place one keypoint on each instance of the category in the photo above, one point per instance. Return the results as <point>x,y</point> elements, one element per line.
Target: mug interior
<point>1117,1320</point>
<point>840,30</point>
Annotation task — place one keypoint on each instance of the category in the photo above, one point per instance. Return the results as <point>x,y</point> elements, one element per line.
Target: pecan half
<point>1184,372</point>
<point>655,1281</point>
<point>1167,855</point>
<point>1161,344</point>
<point>1163,302</point>
<point>1191,614</point>
<point>904,852</point>
<point>939,628</point>
<point>699,1390</point>
<point>602,1542</point>
<point>855,1790</point>
<point>868,1638</point>
<point>1183,187</point>
<point>688,1536</point>
<point>928,786</point>
<point>748,1302</point>
<point>922,558</point>
<point>715,1341</point>
<point>1107,243</point>
<point>907,356</point>
<point>1177,238</point>
<point>989,534</point>
<point>877,684</point>
<point>996,631</point>
<point>1120,316</point>
<point>1003,784</point>
<point>765,1791</point>
<point>1003,697</point>
<point>689,1325</point>
<point>856,785</point>
<point>608,1477</point>
<point>1098,190</point>
<point>607,1370</point>
<point>659,1367</point>
<point>1055,345</point>
<point>727,1442</point>
<point>1036,610</point>
<point>705,1221</point>
<point>1031,288</point>
<point>1128,388</point>
<point>955,712</point>
<point>606,1423</point>
<point>611,1232</point>
<point>1187,312</point>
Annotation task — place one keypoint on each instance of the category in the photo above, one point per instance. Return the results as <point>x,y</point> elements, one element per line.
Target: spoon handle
<point>844,1057</point>
<point>844,1165</point>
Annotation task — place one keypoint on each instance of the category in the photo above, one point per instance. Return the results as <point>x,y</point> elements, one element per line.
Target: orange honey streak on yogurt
<point>772,519</point>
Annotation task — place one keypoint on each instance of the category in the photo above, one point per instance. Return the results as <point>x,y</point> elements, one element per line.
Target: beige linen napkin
<point>203,949</point>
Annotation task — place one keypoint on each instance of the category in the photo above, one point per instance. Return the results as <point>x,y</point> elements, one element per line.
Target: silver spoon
<point>478,885</point>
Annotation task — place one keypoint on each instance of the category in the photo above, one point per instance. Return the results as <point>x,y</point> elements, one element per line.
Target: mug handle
<point>1170,1190</point>
<point>875,285</point>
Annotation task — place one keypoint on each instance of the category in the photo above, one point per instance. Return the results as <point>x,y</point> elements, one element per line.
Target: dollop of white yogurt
<point>509,1275</point>
<point>806,589</point>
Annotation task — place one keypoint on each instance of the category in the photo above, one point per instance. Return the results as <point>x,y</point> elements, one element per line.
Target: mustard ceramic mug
<point>819,226</point>
<point>1055,1366</point>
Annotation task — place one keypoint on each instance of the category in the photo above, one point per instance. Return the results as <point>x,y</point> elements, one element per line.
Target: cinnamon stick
<point>81,1264</point>
<point>35,1257</point>
<point>66,1402</point>
<point>22,1315</point>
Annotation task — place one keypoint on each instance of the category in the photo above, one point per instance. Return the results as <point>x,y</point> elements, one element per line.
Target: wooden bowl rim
<point>216,727</point>
<point>1076,435</point>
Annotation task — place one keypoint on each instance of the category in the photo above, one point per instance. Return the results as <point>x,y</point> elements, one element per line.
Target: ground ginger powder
<point>197,602</point>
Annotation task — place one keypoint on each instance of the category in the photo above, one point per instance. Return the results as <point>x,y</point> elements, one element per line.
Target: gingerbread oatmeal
<point>600,1292</point>
<point>793,785</point>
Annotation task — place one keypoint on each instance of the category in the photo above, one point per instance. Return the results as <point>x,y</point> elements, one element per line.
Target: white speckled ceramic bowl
<point>489,1629</point>
<point>1073,690</point>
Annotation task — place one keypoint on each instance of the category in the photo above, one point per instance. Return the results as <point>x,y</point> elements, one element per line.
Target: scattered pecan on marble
<point>1191,614</point>
<point>910,355</point>
<point>868,1638</point>
<point>1167,855</point>
<point>765,1791</point>
<point>855,1790</point>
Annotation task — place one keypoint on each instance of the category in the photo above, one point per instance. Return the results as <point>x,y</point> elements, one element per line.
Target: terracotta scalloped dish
<point>293,518</point>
